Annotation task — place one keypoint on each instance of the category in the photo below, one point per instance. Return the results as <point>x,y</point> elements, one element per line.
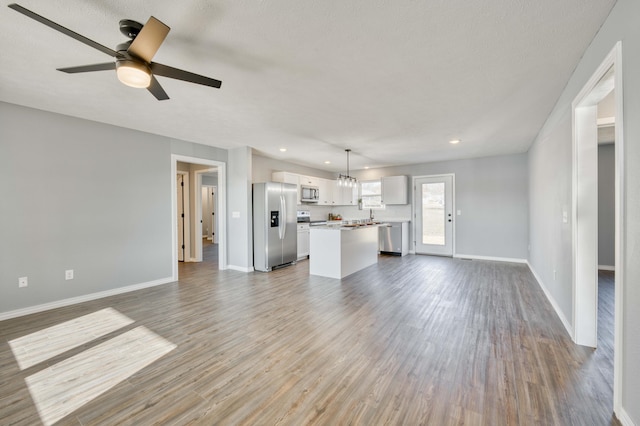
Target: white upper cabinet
<point>286,177</point>
<point>395,190</point>
<point>309,181</point>
<point>325,189</point>
<point>330,194</point>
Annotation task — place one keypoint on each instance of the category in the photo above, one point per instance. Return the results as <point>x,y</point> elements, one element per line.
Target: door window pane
<point>433,216</point>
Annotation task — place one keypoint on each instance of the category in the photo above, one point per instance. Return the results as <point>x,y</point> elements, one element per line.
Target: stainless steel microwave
<point>309,194</point>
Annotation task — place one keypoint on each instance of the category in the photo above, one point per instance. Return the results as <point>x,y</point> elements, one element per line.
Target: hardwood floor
<point>412,340</point>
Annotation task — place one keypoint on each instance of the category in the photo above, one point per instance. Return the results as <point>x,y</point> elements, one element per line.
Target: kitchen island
<point>338,251</point>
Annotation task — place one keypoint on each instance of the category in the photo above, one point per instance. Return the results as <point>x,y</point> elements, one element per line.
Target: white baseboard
<point>556,307</point>
<point>496,259</point>
<point>79,299</point>
<point>606,268</point>
<point>624,418</point>
<point>240,268</point>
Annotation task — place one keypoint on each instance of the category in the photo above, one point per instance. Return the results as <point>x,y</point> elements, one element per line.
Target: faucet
<point>371,215</point>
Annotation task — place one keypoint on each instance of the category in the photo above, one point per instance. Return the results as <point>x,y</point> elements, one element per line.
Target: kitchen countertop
<point>349,226</point>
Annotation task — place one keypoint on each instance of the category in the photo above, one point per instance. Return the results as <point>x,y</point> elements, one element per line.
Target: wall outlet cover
<point>68,274</point>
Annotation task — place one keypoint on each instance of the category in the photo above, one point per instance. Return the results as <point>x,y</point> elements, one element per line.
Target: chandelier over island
<point>347,180</point>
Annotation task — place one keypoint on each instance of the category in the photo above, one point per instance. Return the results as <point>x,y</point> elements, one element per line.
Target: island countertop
<point>349,226</point>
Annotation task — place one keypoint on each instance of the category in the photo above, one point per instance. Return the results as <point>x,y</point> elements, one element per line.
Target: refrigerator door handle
<point>283,222</point>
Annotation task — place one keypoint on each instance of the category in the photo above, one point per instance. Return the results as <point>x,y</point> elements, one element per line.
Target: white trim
<point>495,259</point>
<point>620,235</point>
<point>222,209</point>
<point>554,304</point>
<point>606,122</point>
<point>198,206</point>
<point>80,299</point>
<point>624,418</point>
<point>590,94</point>
<point>606,268</point>
<point>240,268</point>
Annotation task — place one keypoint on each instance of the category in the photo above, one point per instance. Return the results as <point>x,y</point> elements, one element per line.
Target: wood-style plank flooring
<point>413,340</point>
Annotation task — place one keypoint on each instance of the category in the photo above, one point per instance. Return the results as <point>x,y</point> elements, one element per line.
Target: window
<point>371,194</point>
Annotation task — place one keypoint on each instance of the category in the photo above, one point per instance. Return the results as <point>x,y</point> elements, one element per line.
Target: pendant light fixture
<point>347,180</point>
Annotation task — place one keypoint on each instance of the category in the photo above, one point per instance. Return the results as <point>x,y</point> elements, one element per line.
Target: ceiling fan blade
<point>148,41</point>
<point>64,30</point>
<point>167,71</point>
<point>88,68</point>
<point>157,90</point>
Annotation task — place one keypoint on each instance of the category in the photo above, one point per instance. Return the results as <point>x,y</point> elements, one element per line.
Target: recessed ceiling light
<point>366,167</point>
<point>327,162</point>
<point>454,141</point>
<point>283,149</point>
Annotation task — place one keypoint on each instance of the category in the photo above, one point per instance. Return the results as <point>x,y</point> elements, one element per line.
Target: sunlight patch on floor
<point>42,345</point>
<point>66,386</point>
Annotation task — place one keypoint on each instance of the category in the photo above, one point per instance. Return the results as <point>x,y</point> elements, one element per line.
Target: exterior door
<point>433,199</point>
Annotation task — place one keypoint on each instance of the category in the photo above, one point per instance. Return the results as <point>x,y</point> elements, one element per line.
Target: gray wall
<point>492,193</point>
<point>550,188</point>
<point>85,196</point>
<point>606,205</point>
<point>239,236</point>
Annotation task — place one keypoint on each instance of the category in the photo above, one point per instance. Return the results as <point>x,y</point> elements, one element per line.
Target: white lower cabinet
<point>303,240</point>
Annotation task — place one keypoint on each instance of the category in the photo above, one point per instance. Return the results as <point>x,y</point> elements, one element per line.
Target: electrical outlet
<point>68,274</point>
<point>23,282</point>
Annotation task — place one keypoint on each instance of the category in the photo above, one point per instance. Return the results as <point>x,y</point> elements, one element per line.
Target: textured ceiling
<point>392,80</point>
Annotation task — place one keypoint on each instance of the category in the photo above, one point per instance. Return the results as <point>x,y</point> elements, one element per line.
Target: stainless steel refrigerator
<point>275,240</point>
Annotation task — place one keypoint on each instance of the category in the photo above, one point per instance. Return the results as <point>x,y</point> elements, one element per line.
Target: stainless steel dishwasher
<point>393,238</point>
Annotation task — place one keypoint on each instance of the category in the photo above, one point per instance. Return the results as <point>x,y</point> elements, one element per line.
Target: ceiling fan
<point>133,63</point>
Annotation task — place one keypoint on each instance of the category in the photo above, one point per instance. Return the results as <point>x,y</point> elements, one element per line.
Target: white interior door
<point>214,236</point>
<point>180,218</point>
<point>433,203</point>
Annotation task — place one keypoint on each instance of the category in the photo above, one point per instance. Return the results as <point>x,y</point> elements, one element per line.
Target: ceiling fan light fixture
<point>133,74</point>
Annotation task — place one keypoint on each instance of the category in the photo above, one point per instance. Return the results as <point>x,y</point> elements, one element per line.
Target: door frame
<point>453,209</point>
<point>198,201</point>
<point>584,198</point>
<point>222,209</point>
<point>212,193</point>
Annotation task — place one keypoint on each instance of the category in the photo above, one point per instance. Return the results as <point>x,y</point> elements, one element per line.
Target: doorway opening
<point>200,173</point>
<point>605,82</point>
